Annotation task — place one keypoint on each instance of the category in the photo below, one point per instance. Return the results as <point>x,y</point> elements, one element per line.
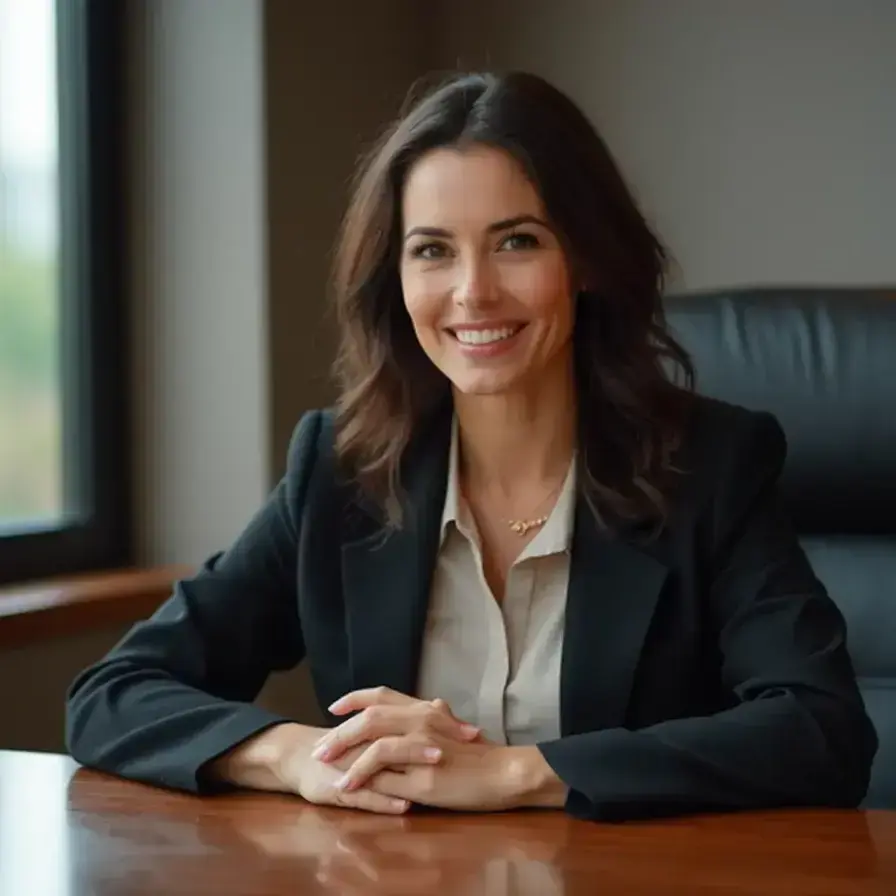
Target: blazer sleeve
<point>176,692</point>
<point>797,734</point>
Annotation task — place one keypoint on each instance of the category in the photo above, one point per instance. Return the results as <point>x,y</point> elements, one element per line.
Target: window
<point>63,399</point>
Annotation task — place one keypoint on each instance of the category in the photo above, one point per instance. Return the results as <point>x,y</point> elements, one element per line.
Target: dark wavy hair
<point>632,377</point>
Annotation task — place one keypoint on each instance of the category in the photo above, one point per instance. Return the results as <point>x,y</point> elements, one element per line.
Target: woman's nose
<point>474,284</point>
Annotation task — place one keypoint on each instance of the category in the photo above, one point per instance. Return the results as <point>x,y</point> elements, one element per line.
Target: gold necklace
<point>523,527</point>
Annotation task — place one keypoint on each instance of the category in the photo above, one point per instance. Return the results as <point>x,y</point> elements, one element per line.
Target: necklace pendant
<point>523,527</point>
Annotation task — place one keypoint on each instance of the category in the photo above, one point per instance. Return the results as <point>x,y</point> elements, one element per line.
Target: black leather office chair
<point>824,362</point>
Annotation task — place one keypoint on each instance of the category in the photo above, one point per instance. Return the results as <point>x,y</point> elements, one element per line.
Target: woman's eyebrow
<point>504,224</point>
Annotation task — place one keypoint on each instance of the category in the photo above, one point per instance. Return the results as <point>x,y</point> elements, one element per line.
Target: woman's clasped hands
<point>407,751</point>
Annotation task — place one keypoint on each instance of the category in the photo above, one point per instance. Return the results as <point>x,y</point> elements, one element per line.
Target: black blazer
<point>706,670</point>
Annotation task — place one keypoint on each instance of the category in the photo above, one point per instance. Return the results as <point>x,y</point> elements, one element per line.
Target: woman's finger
<point>386,752</point>
<point>367,725</point>
<point>370,801</point>
<point>354,701</point>
<point>388,721</point>
<point>395,785</point>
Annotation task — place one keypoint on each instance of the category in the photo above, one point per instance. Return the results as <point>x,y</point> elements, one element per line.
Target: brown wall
<point>335,73</point>
<point>34,679</point>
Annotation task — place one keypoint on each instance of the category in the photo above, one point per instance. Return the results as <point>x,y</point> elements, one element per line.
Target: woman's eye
<point>428,251</point>
<point>517,241</point>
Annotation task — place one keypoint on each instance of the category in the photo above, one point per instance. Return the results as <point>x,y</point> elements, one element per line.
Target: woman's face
<point>485,281</point>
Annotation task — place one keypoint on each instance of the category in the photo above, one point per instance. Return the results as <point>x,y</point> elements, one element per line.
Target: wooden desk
<point>71,832</point>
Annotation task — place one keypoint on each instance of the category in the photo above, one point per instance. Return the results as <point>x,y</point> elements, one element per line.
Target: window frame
<point>90,36</point>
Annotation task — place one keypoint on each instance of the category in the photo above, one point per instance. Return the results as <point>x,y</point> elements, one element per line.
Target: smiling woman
<point>526,565</point>
<point>521,259</point>
<point>492,287</point>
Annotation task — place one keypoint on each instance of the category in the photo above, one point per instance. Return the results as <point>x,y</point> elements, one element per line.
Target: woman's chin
<point>483,384</point>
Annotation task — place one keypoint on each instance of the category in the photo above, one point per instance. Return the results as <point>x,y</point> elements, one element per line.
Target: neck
<point>522,436</point>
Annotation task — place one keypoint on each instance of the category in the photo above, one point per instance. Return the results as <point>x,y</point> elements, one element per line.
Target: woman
<point>526,564</point>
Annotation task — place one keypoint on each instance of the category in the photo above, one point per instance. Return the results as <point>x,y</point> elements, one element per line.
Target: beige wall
<point>760,137</point>
<point>198,263</point>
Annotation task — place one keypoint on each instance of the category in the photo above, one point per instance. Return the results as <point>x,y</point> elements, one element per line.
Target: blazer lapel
<point>387,577</point>
<point>612,594</point>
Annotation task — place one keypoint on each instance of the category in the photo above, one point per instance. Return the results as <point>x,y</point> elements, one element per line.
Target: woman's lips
<point>487,342</point>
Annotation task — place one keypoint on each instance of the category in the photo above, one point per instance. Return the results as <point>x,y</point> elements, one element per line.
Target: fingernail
<point>400,805</point>
<point>344,783</point>
<point>319,752</point>
<point>433,754</point>
<point>335,705</point>
<point>470,730</point>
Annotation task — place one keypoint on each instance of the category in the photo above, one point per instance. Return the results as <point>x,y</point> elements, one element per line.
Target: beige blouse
<point>498,664</point>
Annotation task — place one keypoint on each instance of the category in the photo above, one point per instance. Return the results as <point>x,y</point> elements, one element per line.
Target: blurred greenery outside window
<point>63,490</point>
<point>30,413</point>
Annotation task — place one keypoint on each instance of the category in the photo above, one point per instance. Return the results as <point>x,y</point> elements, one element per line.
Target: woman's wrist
<point>529,781</point>
<point>267,760</point>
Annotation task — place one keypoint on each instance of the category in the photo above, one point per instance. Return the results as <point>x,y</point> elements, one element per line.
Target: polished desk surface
<point>66,831</point>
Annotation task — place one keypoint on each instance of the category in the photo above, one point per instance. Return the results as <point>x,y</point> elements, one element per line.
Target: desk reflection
<point>168,843</point>
<point>359,854</point>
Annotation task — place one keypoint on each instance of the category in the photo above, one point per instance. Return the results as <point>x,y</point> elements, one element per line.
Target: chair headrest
<point>823,361</point>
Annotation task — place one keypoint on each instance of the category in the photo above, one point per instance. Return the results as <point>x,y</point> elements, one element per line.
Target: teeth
<point>483,337</point>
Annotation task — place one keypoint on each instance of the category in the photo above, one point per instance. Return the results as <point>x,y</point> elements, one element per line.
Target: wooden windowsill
<point>61,607</point>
